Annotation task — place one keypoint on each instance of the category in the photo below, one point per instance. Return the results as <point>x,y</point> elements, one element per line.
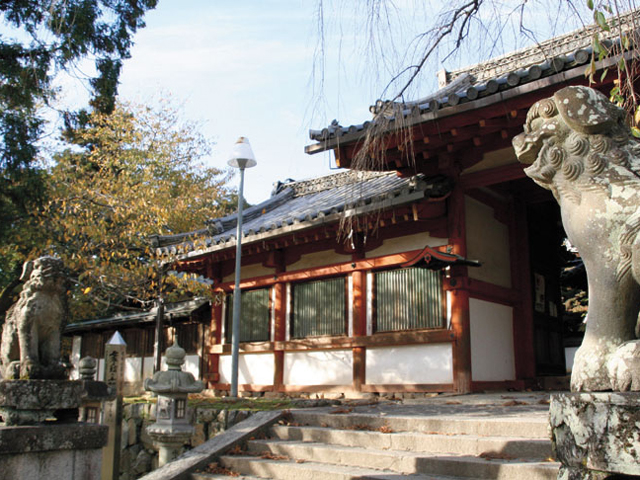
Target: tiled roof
<point>295,206</point>
<point>171,311</point>
<point>480,81</point>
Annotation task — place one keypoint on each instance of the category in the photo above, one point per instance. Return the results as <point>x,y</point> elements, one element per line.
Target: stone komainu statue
<point>31,334</point>
<point>580,148</point>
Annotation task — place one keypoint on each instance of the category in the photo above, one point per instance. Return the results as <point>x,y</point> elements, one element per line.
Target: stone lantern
<point>94,393</point>
<point>172,387</point>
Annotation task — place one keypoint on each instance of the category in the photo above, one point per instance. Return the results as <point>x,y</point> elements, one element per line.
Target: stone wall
<point>138,455</point>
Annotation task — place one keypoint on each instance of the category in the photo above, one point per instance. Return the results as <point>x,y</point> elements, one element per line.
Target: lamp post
<point>241,157</point>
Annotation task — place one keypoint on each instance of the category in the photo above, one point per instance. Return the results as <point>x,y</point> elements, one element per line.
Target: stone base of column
<point>54,452</point>
<point>596,436</point>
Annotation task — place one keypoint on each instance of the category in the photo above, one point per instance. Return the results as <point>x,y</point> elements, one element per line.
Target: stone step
<point>286,469</point>
<point>220,476</point>
<point>496,426</point>
<point>494,467</point>
<point>417,442</point>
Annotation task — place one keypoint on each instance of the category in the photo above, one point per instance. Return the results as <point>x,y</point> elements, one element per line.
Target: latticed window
<point>408,299</point>
<point>181,408</point>
<point>319,308</point>
<point>254,316</point>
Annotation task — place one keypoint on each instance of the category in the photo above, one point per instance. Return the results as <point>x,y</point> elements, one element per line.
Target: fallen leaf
<point>341,410</point>
<point>513,403</point>
<point>272,456</point>
<point>491,455</point>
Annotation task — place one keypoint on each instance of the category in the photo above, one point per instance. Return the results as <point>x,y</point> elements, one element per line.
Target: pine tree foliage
<point>39,39</point>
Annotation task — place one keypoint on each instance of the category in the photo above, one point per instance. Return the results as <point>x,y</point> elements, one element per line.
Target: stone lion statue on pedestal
<point>31,333</point>
<point>580,148</point>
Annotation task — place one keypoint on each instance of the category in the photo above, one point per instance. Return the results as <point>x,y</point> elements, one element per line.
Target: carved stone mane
<point>580,148</point>
<point>31,334</point>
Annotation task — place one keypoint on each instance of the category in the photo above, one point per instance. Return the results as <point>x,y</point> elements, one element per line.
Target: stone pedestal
<point>25,402</point>
<point>40,436</point>
<point>54,452</point>
<point>596,436</point>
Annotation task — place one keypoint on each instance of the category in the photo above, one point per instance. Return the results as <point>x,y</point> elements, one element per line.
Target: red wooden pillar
<point>279,334</point>
<point>523,329</point>
<point>359,329</point>
<point>460,317</point>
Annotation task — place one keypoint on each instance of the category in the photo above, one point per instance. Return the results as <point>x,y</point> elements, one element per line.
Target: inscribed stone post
<point>115,351</point>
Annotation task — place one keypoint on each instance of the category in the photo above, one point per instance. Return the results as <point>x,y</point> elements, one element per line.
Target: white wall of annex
<point>492,355</point>
<point>192,365</point>
<point>133,369</point>
<point>253,368</point>
<point>410,364</point>
<point>76,349</point>
<point>148,363</point>
<point>327,367</point>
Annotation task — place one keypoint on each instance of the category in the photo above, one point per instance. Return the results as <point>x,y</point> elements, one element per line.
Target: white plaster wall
<point>250,271</point>
<point>253,368</point>
<point>100,373</point>
<point>406,243</point>
<point>569,357</point>
<point>492,356</point>
<point>133,369</point>
<point>148,367</point>
<point>410,364</point>
<point>327,367</point>
<point>487,241</point>
<point>192,365</point>
<point>76,349</point>
<point>318,259</point>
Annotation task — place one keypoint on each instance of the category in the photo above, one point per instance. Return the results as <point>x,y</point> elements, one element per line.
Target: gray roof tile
<point>303,204</point>
<point>484,79</point>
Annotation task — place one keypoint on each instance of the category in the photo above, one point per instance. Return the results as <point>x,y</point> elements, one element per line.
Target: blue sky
<point>243,69</point>
<point>248,68</point>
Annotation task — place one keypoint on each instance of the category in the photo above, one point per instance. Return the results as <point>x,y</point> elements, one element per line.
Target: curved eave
<point>182,311</point>
<point>297,226</point>
<point>565,76</point>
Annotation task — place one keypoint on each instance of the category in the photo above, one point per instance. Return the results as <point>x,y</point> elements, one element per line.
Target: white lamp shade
<point>242,155</point>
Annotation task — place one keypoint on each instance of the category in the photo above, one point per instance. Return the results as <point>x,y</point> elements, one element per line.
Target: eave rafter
<point>488,123</point>
<point>419,148</point>
<point>428,210</point>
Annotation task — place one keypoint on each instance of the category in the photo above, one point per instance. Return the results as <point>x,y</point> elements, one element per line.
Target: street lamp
<point>241,157</point>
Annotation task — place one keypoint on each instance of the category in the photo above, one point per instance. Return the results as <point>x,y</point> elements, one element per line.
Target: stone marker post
<point>115,351</point>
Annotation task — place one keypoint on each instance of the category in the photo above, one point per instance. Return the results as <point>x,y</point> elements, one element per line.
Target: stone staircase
<point>343,445</point>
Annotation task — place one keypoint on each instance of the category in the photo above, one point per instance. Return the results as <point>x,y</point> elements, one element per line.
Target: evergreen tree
<point>40,39</point>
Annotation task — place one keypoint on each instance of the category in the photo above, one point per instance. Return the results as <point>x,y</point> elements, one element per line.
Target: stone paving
<point>498,404</point>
